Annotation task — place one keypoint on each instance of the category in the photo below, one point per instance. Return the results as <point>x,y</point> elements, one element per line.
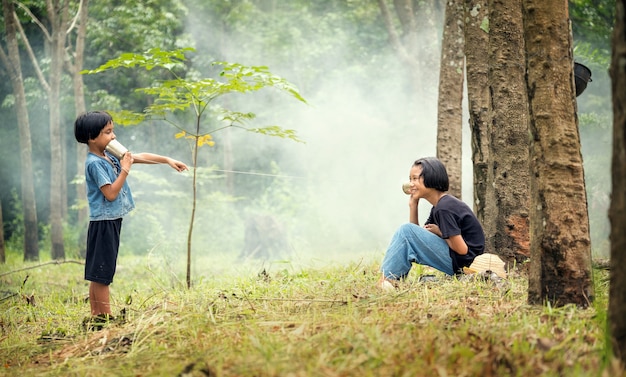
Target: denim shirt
<point>100,172</point>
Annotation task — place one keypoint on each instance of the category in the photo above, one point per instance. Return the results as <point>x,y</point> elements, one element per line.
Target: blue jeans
<point>412,243</point>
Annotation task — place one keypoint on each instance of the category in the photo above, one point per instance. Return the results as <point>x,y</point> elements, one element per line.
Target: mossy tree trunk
<point>13,65</point>
<point>476,65</point>
<point>560,267</point>
<point>617,210</point>
<point>508,190</point>
<point>449,105</point>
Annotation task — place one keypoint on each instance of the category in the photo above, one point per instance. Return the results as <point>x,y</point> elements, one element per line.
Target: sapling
<point>187,93</point>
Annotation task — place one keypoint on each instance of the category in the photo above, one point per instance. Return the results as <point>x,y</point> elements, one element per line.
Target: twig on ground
<point>41,265</point>
<point>298,299</point>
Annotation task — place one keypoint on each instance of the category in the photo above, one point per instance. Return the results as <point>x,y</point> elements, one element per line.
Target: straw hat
<point>487,262</point>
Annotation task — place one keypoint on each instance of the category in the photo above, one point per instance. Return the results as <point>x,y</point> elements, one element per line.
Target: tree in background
<point>560,266</point>
<point>58,19</point>
<point>450,103</point>
<point>74,64</point>
<point>12,63</point>
<point>3,257</point>
<point>507,187</point>
<point>617,210</point>
<point>477,70</point>
<point>418,21</point>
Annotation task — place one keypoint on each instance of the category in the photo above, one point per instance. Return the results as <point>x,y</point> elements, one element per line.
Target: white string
<point>261,174</point>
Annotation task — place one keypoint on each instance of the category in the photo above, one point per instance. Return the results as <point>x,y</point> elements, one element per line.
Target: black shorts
<point>103,243</point>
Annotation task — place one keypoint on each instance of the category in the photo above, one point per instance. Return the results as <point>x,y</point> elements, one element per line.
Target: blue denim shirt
<point>100,172</point>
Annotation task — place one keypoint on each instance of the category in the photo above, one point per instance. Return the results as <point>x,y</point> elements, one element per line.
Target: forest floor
<point>286,321</point>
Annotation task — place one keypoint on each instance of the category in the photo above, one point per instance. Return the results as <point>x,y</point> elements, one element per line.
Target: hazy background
<point>336,196</point>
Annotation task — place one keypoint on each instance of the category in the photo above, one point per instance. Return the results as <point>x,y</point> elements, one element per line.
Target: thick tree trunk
<point>13,66</point>
<point>617,210</point>
<point>57,16</point>
<point>477,68</point>
<point>560,267</point>
<point>450,108</point>
<point>507,192</point>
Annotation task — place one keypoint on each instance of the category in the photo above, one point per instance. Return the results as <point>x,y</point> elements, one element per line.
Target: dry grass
<point>327,321</point>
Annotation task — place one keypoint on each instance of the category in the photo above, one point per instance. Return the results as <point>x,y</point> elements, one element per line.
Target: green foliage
<point>182,94</point>
<point>592,21</point>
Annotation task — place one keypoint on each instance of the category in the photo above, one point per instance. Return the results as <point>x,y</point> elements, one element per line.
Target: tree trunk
<point>507,192</point>
<point>13,66</point>
<point>57,14</point>
<point>617,210</point>
<point>80,107</point>
<point>477,68</point>
<point>3,257</point>
<point>560,267</point>
<point>416,19</point>
<point>450,104</point>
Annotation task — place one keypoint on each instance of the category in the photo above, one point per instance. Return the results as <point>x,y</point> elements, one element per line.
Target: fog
<point>361,135</point>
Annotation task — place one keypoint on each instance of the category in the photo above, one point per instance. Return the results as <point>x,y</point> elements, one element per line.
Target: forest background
<point>336,194</point>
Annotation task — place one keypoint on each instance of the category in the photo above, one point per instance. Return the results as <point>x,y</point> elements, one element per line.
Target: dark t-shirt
<point>454,217</point>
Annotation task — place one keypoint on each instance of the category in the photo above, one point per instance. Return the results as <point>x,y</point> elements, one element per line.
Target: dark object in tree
<point>265,238</point>
<point>582,76</point>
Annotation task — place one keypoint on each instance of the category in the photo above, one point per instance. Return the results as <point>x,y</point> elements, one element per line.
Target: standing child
<point>109,199</point>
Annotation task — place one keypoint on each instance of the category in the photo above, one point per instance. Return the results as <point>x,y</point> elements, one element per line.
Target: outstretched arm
<point>152,158</point>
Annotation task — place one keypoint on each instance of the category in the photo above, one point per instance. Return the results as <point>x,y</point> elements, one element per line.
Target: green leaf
<point>277,131</point>
<point>484,25</point>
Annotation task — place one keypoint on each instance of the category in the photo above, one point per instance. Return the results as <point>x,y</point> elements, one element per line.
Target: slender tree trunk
<point>450,104</point>
<point>57,15</point>
<point>560,267</point>
<point>417,20</point>
<point>3,257</point>
<point>477,68</point>
<point>617,210</point>
<point>13,65</point>
<point>508,191</point>
<point>80,107</point>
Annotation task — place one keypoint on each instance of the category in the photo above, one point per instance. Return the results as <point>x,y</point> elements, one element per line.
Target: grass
<point>327,319</point>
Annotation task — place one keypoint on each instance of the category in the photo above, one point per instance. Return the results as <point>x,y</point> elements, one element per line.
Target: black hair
<point>434,173</point>
<point>89,125</point>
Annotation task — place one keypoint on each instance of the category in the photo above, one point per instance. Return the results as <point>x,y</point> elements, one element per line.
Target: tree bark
<point>507,191</point>
<point>477,70</point>
<point>450,104</point>
<point>57,15</point>
<point>3,257</point>
<point>75,65</point>
<point>12,63</point>
<point>617,209</point>
<point>560,267</point>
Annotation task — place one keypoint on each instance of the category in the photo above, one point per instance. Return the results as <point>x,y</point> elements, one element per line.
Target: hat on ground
<point>487,262</point>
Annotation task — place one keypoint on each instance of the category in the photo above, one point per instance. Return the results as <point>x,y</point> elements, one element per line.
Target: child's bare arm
<point>152,158</point>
